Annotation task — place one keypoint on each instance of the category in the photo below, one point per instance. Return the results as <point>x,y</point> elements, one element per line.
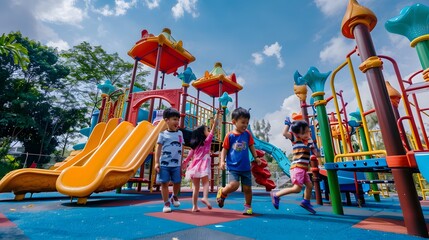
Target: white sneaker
<point>175,201</point>
<point>166,208</point>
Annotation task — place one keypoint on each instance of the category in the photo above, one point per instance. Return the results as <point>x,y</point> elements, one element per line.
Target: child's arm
<point>187,159</point>
<point>222,159</point>
<point>286,132</point>
<point>255,156</point>
<point>157,156</point>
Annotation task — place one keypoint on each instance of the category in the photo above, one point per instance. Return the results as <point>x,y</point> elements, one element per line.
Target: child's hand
<point>287,121</point>
<point>156,167</point>
<point>222,165</point>
<point>258,161</point>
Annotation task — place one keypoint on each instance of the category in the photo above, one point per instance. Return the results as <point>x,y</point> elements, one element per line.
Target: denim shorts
<point>245,176</point>
<point>167,174</point>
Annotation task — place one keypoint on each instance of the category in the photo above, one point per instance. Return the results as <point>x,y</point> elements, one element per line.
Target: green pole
<point>223,102</point>
<point>223,137</point>
<point>322,118</point>
<point>316,82</point>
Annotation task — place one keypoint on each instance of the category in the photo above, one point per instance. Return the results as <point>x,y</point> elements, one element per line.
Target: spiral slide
<point>113,163</point>
<point>33,180</point>
<point>276,152</point>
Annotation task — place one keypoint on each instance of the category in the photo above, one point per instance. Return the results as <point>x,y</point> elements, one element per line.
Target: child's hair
<point>298,126</point>
<point>170,112</point>
<point>198,137</point>
<point>240,113</point>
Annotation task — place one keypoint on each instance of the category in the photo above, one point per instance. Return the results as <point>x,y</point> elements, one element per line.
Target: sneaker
<point>166,208</point>
<point>247,210</point>
<point>275,200</point>
<point>220,200</point>
<point>307,206</point>
<point>175,201</point>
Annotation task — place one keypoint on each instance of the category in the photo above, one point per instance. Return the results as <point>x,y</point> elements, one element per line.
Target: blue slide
<point>274,151</point>
<point>422,159</point>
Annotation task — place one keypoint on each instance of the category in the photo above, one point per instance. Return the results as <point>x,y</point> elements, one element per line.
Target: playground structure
<point>101,165</point>
<point>402,155</point>
<point>102,168</point>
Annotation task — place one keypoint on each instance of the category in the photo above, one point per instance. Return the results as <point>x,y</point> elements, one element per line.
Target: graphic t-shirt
<point>237,158</point>
<point>171,152</point>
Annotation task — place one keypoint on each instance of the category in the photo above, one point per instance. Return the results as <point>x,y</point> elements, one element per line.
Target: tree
<point>37,105</point>
<point>91,65</point>
<point>9,47</point>
<point>261,130</point>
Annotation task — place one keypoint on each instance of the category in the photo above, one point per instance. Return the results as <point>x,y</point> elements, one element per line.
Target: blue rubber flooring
<point>128,215</point>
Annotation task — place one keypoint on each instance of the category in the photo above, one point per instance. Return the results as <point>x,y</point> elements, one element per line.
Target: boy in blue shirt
<point>168,158</point>
<point>235,153</point>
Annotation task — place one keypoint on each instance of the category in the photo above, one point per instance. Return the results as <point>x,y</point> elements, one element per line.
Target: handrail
<point>357,154</point>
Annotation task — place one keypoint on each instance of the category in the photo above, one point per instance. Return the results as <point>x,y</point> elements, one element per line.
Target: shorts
<point>299,176</point>
<point>245,176</point>
<point>167,174</point>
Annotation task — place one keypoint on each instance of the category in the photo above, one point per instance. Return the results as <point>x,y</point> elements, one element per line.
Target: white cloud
<point>274,50</point>
<point>335,7</point>
<point>60,45</point>
<point>257,58</point>
<point>151,4</point>
<point>290,105</point>
<point>330,7</point>
<point>241,81</point>
<point>101,31</point>
<point>269,51</point>
<point>182,6</point>
<point>336,50</point>
<point>121,8</point>
<point>58,11</point>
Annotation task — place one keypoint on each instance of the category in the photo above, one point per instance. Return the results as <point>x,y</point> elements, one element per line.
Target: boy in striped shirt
<point>299,134</point>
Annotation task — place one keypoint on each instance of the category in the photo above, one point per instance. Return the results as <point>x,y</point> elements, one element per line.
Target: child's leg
<point>195,192</point>
<point>176,178</point>
<point>247,190</point>
<point>176,188</point>
<point>308,189</point>
<point>285,191</point>
<point>232,186</point>
<point>205,199</point>
<point>164,191</point>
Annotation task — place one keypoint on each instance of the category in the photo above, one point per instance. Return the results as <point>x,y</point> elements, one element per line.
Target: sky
<point>262,42</point>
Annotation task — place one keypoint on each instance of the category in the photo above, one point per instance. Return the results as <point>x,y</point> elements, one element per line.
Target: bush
<point>8,164</point>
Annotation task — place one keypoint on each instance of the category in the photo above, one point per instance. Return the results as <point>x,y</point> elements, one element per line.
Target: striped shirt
<point>301,151</point>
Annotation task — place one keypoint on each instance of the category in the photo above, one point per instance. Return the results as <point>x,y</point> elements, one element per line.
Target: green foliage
<point>9,47</point>
<point>37,103</point>
<point>91,65</point>
<point>8,164</point>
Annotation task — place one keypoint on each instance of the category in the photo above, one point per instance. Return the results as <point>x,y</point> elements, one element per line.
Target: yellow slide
<point>113,163</point>
<point>33,180</point>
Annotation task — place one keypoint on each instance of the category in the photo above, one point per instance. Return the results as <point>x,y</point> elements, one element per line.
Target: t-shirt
<point>171,151</point>
<point>301,152</point>
<point>237,158</point>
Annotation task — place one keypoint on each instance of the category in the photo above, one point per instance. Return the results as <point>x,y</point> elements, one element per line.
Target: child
<point>168,158</point>
<point>200,167</point>
<point>235,152</point>
<point>302,148</point>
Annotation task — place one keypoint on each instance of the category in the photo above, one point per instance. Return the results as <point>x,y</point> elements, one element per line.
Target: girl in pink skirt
<point>199,169</point>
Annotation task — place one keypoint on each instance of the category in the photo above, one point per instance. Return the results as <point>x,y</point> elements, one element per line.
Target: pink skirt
<point>199,168</point>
